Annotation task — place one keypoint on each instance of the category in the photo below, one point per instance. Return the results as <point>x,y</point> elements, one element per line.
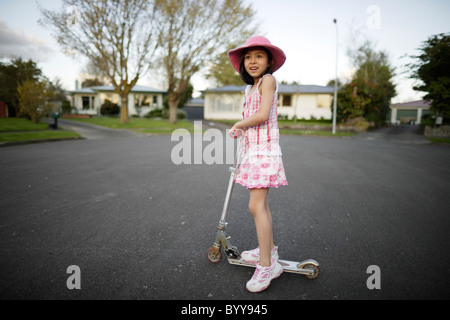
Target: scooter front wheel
<point>213,258</point>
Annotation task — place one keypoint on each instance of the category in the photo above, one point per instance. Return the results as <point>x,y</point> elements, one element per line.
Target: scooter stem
<point>223,218</point>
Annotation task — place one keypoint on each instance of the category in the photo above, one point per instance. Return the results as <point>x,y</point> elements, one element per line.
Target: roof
<point>230,88</point>
<point>283,88</point>
<point>136,89</point>
<point>418,103</point>
<point>195,102</point>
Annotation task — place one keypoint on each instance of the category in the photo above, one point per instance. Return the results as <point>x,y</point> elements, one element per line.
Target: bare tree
<point>192,32</point>
<point>117,36</point>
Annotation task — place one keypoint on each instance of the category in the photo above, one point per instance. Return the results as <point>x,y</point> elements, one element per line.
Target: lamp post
<point>335,81</point>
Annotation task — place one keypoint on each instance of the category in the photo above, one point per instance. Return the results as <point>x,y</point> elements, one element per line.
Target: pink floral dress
<point>261,163</point>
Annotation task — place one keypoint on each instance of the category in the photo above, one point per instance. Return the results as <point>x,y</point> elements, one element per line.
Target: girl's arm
<point>268,87</point>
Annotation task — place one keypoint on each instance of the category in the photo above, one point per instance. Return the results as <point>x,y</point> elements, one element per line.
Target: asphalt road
<point>138,226</point>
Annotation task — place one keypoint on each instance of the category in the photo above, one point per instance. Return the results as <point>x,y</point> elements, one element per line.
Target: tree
<point>192,32</point>
<point>34,99</point>
<point>370,90</point>
<point>433,70</point>
<point>11,75</point>
<point>221,70</point>
<point>117,36</point>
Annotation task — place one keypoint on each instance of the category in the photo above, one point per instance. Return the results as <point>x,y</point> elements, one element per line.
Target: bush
<point>109,109</point>
<point>156,113</point>
<point>164,113</point>
<point>66,107</point>
<point>359,123</point>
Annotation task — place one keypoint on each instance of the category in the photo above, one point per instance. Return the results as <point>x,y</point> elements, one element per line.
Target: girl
<point>261,166</point>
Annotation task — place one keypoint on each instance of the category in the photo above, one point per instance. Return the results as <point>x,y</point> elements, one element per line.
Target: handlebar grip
<point>236,133</point>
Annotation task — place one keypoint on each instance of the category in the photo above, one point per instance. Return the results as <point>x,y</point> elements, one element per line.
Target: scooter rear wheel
<point>315,269</point>
<point>211,257</point>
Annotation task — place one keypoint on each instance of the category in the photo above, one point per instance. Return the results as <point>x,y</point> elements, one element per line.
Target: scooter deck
<point>288,266</point>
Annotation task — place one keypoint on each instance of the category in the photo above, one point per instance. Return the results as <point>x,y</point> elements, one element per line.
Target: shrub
<point>109,109</point>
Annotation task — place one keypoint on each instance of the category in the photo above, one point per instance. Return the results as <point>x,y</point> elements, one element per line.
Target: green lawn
<point>439,140</point>
<point>306,122</point>
<point>315,133</point>
<point>288,122</point>
<point>323,133</point>
<point>19,129</point>
<point>20,124</point>
<point>37,135</point>
<point>139,124</point>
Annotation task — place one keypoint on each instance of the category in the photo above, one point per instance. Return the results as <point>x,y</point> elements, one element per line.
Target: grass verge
<point>315,133</point>
<point>439,140</point>
<point>14,130</point>
<point>37,135</point>
<point>20,124</point>
<point>139,124</point>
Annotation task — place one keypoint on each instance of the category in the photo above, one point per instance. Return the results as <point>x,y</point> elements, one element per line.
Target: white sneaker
<point>263,276</point>
<point>253,256</point>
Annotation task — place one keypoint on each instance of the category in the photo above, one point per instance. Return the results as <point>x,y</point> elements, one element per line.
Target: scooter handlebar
<point>236,133</point>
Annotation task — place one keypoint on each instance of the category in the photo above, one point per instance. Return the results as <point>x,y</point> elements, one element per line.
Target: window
<point>85,103</point>
<point>145,101</point>
<point>286,100</point>
<point>225,104</point>
<point>142,100</point>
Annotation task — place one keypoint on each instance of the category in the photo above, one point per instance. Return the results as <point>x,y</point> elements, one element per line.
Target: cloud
<point>15,43</point>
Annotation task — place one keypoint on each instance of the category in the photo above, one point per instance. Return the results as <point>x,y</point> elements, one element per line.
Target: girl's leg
<point>263,222</point>
<point>266,205</point>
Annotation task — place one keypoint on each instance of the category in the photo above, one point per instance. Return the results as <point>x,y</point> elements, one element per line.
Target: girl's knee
<point>256,208</point>
<point>258,200</point>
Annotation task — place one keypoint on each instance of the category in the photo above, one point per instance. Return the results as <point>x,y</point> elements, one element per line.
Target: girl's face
<point>256,62</point>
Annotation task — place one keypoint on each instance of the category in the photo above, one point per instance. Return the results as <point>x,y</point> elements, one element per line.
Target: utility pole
<point>335,81</point>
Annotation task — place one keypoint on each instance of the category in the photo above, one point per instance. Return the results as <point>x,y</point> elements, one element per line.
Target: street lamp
<point>335,81</point>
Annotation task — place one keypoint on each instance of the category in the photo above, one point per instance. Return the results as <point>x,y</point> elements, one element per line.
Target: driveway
<point>410,134</point>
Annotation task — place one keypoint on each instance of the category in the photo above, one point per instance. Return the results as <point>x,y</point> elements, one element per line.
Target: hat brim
<point>278,55</point>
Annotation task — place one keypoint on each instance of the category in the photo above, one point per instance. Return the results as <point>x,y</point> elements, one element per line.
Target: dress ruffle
<point>261,171</point>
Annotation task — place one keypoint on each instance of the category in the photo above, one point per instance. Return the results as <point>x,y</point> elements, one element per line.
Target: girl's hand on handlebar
<point>235,133</point>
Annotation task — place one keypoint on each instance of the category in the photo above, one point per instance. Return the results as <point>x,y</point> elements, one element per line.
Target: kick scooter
<point>308,268</point>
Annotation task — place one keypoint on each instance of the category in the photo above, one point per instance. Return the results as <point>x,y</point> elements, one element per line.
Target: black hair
<point>248,79</point>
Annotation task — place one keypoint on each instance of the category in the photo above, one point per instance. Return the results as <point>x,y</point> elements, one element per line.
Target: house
<point>141,99</point>
<point>301,101</point>
<point>409,112</point>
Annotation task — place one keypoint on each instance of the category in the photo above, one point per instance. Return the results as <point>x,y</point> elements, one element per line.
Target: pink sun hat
<point>278,55</point>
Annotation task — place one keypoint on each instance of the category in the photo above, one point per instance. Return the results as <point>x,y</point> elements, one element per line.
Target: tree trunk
<point>173,106</point>
<point>124,110</point>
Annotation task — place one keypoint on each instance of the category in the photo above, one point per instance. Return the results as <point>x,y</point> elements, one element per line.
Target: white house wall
<point>78,104</point>
<point>100,98</point>
<point>132,110</point>
<point>313,105</point>
<point>223,106</point>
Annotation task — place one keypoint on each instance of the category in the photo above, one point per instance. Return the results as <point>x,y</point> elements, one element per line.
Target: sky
<point>304,29</point>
